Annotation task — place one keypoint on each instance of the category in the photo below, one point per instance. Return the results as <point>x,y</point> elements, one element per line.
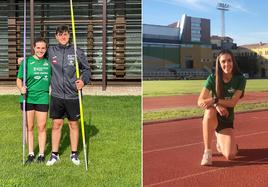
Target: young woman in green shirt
<point>218,98</point>
<point>38,75</point>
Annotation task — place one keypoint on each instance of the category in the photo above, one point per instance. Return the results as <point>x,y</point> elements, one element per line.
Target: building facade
<point>109,32</point>
<point>179,50</point>
<point>194,29</point>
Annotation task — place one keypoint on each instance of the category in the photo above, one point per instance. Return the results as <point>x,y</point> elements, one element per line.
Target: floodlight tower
<point>223,7</point>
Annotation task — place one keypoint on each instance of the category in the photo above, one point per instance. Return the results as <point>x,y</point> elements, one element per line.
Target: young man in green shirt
<point>38,75</point>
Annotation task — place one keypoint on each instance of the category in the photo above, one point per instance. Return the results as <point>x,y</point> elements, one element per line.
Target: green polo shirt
<point>38,76</point>
<point>238,82</point>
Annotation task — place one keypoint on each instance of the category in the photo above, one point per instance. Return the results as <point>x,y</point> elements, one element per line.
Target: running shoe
<point>74,159</point>
<point>30,159</point>
<point>207,158</point>
<point>40,159</point>
<point>53,159</point>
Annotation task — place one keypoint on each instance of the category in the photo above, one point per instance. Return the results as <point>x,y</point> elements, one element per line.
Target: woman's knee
<point>42,128</point>
<point>210,113</point>
<point>230,156</point>
<point>30,128</point>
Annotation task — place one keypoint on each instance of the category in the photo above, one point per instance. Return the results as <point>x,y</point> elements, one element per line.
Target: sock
<point>31,153</point>
<point>41,154</point>
<point>207,151</point>
<point>74,152</point>
<point>55,153</point>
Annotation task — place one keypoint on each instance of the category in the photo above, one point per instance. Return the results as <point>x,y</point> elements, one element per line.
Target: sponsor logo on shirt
<point>54,60</point>
<point>45,78</point>
<point>37,77</point>
<point>231,90</point>
<point>71,60</point>
<point>38,69</point>
<point>45,64</point>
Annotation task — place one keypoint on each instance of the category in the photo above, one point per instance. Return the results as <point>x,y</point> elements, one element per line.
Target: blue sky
<point>246,22</point>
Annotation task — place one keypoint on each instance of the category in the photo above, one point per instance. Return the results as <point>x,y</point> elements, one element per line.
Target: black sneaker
<point>30,159</point>
<point>40,159</point>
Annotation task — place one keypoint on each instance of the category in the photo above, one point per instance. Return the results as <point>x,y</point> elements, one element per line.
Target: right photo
<point>205,93</point>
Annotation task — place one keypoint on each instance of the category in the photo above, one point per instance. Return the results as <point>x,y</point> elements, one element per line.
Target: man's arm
<point>83,66</point>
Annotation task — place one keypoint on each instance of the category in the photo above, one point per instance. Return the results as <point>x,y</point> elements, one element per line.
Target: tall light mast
<point>223,7</point>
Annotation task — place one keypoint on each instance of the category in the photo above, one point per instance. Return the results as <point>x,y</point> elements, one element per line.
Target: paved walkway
<point>111,90</point>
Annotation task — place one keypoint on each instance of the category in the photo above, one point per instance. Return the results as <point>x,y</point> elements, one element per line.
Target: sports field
<point>178,99</point>
<point>113,138</point>
<point>178,143</point>
<point>183,87</point>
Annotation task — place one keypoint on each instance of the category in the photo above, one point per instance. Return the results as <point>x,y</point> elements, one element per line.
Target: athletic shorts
<point>61,108</point>
<point>223,123</point>
<point>36,107</point>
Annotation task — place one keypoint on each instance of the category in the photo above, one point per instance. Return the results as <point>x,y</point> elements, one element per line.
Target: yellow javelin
<point>79,91</point>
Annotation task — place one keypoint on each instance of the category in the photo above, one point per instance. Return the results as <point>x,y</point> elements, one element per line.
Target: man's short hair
<point>62,28</point>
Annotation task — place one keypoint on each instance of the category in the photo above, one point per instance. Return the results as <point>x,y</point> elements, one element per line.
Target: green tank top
<point>38,76</point>
<point>238,82</point>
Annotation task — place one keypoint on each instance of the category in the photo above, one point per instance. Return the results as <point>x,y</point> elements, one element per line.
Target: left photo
<point>70,88</point>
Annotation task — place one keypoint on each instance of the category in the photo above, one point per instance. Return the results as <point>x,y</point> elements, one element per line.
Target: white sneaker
<point>74,159</point>
<point>207,158</point>
<point>53,159</point>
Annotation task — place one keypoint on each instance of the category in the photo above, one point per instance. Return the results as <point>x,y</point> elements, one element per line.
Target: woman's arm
<point>205,100</point>
<point>21,88</point>
<point>231,102</point>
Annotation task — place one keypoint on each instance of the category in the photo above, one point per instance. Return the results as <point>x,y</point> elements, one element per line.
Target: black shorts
<point>223,123</point>
<point>61,108</point>
<point>36,107</point>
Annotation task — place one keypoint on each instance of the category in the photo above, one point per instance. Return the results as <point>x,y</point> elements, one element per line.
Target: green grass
<point>113,139</point>
<point>196,112</point>
<point>182,87</point>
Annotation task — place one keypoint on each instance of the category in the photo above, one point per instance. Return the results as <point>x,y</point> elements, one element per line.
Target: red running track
<point>172,153</point>
<point>166,102</point>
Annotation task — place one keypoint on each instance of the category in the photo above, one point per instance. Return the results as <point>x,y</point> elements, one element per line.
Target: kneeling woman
<point>38,75</point>
<point>219,96</point>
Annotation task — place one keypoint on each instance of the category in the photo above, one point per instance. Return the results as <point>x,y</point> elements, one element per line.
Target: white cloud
<point>201,5</point>
<point>205,5</point>
<point>238,6</point>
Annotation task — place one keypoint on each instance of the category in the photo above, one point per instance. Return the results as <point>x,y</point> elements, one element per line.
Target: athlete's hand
<point>23,90</point>
<point>222,110</point>
<point>207,103</point>
<point>79,84</point>
<point>20,60</point>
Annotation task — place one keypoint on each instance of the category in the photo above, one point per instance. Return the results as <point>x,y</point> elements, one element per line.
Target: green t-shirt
<point>38,76</point>
<point>238,82</point>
